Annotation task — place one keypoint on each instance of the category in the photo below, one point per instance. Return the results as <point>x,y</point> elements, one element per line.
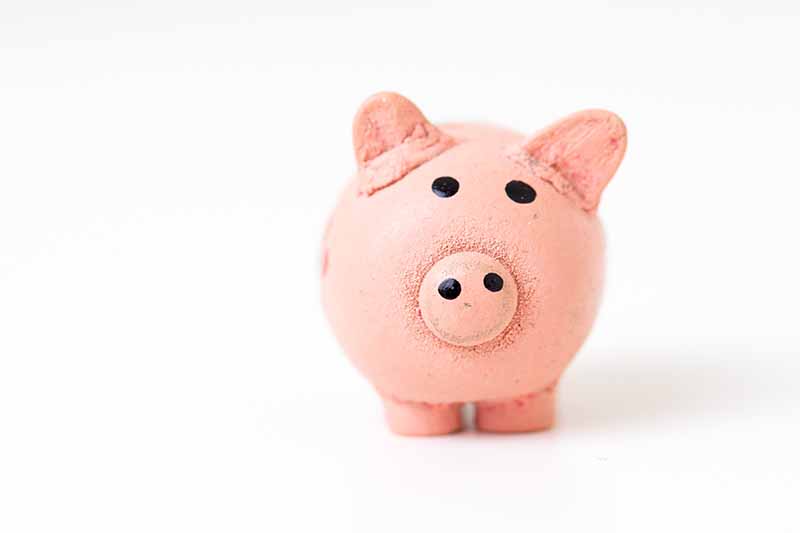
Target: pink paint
<point>473,296</point>
<point>324,267</point>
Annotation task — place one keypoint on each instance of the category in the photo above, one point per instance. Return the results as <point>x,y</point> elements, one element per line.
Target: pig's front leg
<point>532,412</point>
<point>416,418</point>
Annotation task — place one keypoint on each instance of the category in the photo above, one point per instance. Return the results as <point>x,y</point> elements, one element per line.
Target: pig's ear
<point>583,152</point>
<point>391,137</point>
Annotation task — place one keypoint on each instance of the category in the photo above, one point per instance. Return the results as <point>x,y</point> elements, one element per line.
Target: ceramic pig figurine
<point>464,262</point>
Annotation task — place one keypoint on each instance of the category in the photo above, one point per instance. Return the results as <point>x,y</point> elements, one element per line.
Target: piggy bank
<point>464,262</point>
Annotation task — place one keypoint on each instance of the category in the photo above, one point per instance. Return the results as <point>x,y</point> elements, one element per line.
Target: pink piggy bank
<point>464,262</point>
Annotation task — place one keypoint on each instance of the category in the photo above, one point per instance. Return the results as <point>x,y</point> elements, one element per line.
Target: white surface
<point>165,172</point>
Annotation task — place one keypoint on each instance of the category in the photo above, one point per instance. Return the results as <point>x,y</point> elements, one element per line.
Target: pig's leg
<point>415,418</point>
<point>532,412</point>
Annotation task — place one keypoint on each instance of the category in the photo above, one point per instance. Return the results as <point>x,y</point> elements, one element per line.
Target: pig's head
<point>466,260</point>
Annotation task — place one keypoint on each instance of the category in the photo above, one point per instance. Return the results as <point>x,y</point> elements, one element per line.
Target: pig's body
<point>502,344</point>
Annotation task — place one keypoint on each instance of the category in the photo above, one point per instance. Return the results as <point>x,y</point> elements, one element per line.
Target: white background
<point>166,169</point>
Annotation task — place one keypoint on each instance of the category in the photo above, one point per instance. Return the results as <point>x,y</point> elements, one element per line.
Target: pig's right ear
<point>391,137</point>
<point>582,153</point>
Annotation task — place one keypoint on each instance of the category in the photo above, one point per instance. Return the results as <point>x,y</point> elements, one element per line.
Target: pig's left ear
<point>583,152</point>
<point>391,137</point>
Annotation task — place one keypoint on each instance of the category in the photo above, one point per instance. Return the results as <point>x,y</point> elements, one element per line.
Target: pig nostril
<point>493,282</point>
<point>449,289</point>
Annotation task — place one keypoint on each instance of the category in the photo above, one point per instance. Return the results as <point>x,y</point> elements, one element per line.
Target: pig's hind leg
<point>532,412</point>
<point>422,419</point>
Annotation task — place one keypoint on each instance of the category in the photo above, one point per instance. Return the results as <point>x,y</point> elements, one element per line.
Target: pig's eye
<point>444,187</point>
<point>520,192</point>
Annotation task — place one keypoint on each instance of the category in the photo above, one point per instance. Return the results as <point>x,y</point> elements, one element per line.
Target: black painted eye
<point>449,289</point>
<point>520,192</point>
<point>444,187</point>
<point>493,282</point>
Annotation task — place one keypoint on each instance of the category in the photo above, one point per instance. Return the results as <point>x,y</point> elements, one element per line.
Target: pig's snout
<point>468,298</point>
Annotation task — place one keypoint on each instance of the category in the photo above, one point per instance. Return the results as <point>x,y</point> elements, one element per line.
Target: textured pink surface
<point>391,137</point>
<point>389,231</point>
<point>479,315</point>
<point>584,150</point>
